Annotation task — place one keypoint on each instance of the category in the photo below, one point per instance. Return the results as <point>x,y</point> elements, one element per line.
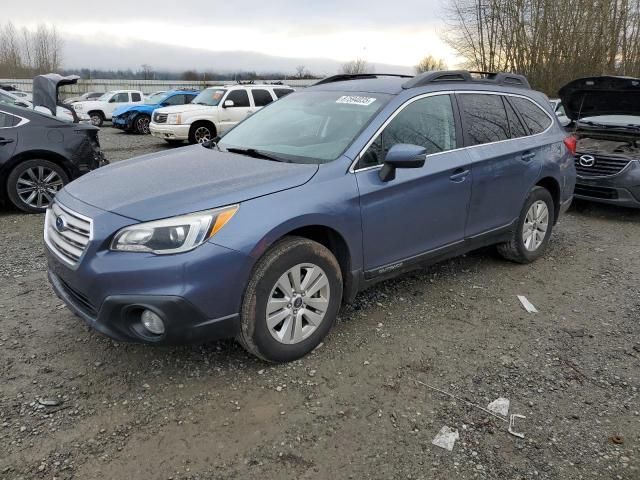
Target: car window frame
<point>23,120</point>
<point>264,89</point>
<point>458,117</point>
<point>229,92</point>
<point>524,122</point>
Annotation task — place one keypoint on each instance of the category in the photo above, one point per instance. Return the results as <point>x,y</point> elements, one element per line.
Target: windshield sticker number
<point>355,100</point>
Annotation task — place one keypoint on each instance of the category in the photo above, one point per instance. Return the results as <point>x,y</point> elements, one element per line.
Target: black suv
<point>39,154</point>
<point>607,115</point>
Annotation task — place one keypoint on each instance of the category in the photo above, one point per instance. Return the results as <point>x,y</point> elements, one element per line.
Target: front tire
<point>31,185</point>
<point>533,230</point>
<point>201,132</point>
<point>141,124</point>
<point>291,301</point>
<point>97,118</point>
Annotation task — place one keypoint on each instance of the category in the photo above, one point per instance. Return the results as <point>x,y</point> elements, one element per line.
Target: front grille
<point>66,233</point>
<point>80,300</point>
<point>602,166</point>
<point>596,192</point>
<point>160,118</point>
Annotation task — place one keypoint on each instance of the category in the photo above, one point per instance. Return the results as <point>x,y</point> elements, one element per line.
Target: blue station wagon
<point>262,234</point>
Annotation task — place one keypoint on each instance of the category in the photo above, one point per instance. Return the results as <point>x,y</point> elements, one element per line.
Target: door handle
<point>4,141</point>
<point>526,156</point>
<point>459,175</point>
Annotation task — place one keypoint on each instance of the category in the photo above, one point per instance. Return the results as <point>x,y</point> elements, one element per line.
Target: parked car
<point>39,154</point>
<point>7,98</point>
<point>136,118</point>
<point>558,108</point>
<point>8,88</point>
<point>23,95</point>
<point>214,111</point>
<point>607,115</point>
<point>262,235</point>
<point>101,109</point>
<point>84,97</point>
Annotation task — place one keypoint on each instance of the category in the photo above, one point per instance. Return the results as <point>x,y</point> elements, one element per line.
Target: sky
<point>329,31</point>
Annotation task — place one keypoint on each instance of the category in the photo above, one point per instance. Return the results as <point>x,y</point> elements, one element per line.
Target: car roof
<point>248,85</point>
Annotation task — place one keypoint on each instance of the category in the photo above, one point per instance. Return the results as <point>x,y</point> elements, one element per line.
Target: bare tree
<point>356,66</point>
<point>301,71</point>
<point>147,71</point>
<point>429,63</point>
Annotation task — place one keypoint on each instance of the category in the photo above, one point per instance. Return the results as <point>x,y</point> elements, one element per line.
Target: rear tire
<point>97,118</point>
<point>31,185</point>
<point>141,124</point>
<point>291,301</point>
<point>533,230</point>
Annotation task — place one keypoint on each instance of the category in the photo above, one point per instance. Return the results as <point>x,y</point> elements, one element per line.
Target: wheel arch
<point>553,187</point>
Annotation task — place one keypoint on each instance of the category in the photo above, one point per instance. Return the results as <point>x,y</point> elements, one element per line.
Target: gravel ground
<point>76,405</point>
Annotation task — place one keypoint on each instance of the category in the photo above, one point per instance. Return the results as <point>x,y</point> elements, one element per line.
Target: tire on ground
<point>97,118</point>
<point>18,170</point>
<point>515,250</point>
<point>201,124</point>
<point>286,253</point>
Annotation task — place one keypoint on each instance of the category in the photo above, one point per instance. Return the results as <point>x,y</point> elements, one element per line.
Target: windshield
<point>209,97</point>
<point>155,98</point>
<point>306,127</point>
<point>105,96</point>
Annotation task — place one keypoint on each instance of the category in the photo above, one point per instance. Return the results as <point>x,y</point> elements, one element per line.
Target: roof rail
<point>357,76</point>
<point>442,76</point>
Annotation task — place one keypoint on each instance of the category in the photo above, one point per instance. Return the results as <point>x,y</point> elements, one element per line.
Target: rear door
<point>230,116</point>
<point>505,160</point>
<point>8,135</point>
<point>422,209</point>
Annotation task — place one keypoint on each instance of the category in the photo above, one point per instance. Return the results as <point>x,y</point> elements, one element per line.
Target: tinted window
<point>7,120</point>
<point>485,118</point>
<point>175,100</point>
<point>428,122</point>
<point>534,117</point>
<point>261,97</point>
<point>135,97</point>
<point>240,98</point>
<point>515,125</point>
<point>281,92</point>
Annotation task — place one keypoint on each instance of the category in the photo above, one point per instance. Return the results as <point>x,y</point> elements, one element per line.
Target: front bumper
<point>197,293</point>
<point>169,132</point>
<point>622,189</point>
<point>123,123</point>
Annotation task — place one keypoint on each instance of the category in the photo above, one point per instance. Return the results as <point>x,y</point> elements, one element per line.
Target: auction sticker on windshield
<point>356,100</point>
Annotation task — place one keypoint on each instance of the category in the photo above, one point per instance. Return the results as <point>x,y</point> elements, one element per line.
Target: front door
<point>422,210</point>
<point>231,115</point>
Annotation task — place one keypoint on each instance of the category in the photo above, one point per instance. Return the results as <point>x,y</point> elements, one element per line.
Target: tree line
<point>549,41</point>
<point>25,53</point>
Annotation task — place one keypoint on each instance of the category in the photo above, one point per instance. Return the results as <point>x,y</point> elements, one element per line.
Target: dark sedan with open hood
<point>606,112</point>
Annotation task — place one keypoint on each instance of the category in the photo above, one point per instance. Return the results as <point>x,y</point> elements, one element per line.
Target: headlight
<point>174,119</point>
<point>175,234</point>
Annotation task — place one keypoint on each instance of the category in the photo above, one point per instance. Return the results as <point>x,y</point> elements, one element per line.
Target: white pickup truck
<point>102,108</point>
<point>214,111</point>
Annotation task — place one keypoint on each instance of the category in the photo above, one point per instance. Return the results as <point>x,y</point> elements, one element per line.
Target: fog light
<point>152,322</point>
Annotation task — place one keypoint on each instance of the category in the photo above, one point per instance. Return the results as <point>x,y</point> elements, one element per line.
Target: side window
<point>240,98</point>
<point>175,100</point>
<point>120,98</point>
<point>7,121</point>
<point>135,97</point>
<point>189,97</point>
<point>261,97</point>
<point>515,125</point>
<point>485,118</point>
<point>281,92</point>
<point>428,122</point>
<point>536,119</point>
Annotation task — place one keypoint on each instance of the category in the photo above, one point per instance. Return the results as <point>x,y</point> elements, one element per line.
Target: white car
<point>62,113</point>
<point>101,109</point>
<point>24,95</point>
<point>214,111</point>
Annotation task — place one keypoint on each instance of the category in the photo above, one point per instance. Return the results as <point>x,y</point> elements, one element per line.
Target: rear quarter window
<point>536,119</point>
<point>7,121</point>
<point>485,118</point>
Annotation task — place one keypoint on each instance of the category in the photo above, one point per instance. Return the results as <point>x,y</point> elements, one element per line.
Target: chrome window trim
<point>23,121</point>
<point>352,168</point>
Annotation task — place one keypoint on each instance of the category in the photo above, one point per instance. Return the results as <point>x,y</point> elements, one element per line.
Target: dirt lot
<point>353,408</point>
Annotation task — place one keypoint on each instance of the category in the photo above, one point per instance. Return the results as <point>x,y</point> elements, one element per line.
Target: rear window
<point>7,120</point>
<point>515,125</point>
<point>281,92</point>
<point>485,118</point>
<point>534,117</point>
<point>261,98</point>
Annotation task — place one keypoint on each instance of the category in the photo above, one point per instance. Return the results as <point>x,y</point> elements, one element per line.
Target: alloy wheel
<point>37,186</point>
<point>535,225</point>
<point>202,134</point>
<point>298,303</point>
<point>142,125</point>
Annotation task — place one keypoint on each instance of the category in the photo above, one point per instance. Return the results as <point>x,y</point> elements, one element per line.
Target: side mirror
<point>402,155</point>
<point>228,103</point>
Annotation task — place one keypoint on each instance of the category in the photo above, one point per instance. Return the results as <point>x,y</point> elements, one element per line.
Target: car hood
<point>592,96</point>
<point>189,107</point>
<point>138,107</point>
<point>184,180</point>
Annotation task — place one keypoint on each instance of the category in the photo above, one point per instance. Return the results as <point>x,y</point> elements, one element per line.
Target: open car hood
<point>593,96</point>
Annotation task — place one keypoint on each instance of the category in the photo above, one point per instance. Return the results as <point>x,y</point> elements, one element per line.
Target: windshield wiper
<point>252,152</point>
